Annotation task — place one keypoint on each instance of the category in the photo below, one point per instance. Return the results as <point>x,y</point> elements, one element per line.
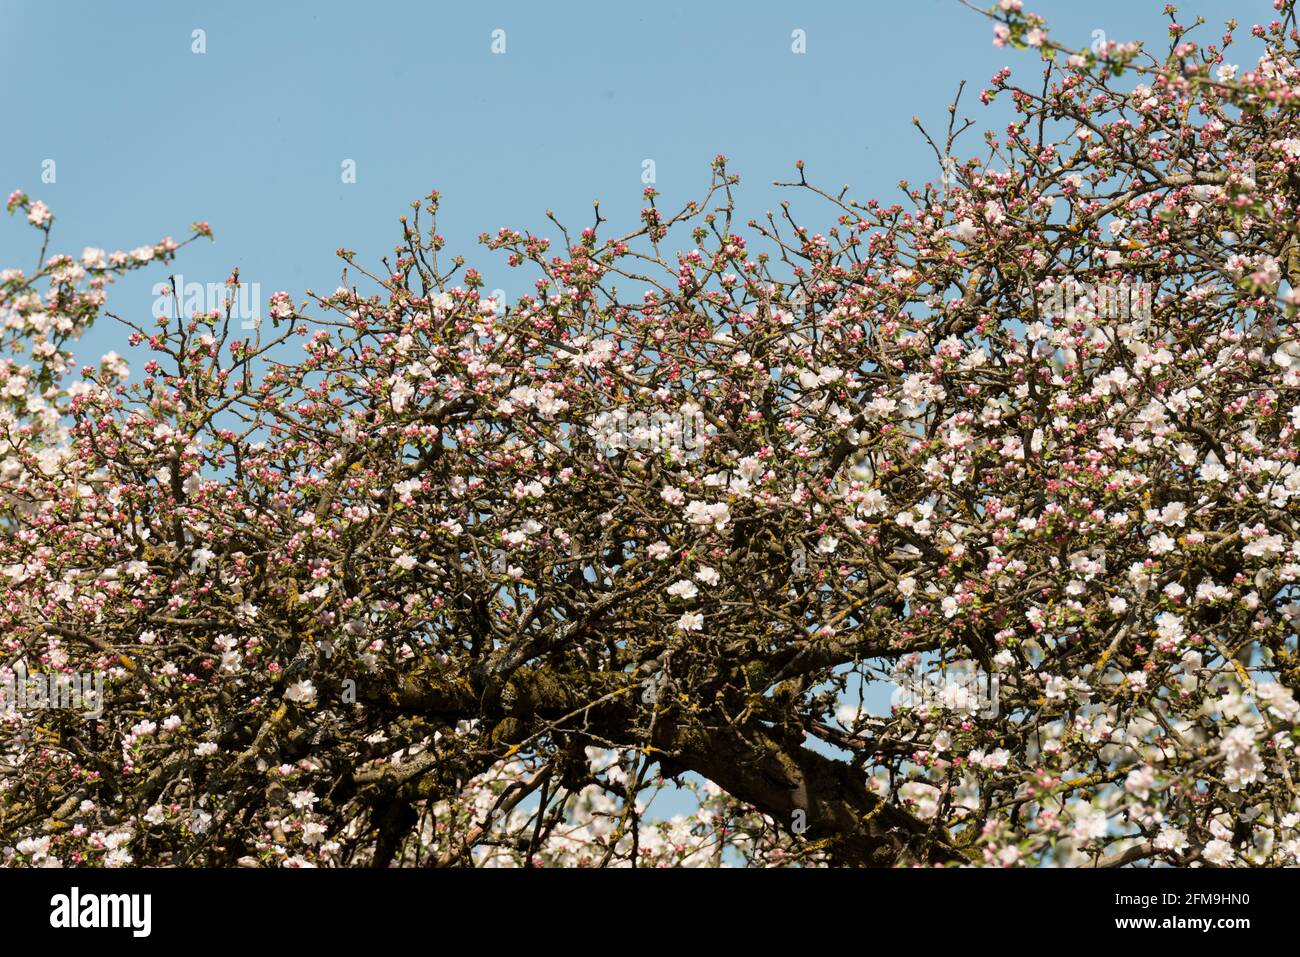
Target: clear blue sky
<point>149,136</point>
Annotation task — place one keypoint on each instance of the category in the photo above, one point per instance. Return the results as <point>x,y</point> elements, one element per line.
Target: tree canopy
<point>410,576</point>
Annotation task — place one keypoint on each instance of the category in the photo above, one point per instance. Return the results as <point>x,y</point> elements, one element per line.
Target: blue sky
<point>149,136</point>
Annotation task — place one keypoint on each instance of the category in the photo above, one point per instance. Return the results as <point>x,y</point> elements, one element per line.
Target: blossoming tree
<point>466,581</point>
